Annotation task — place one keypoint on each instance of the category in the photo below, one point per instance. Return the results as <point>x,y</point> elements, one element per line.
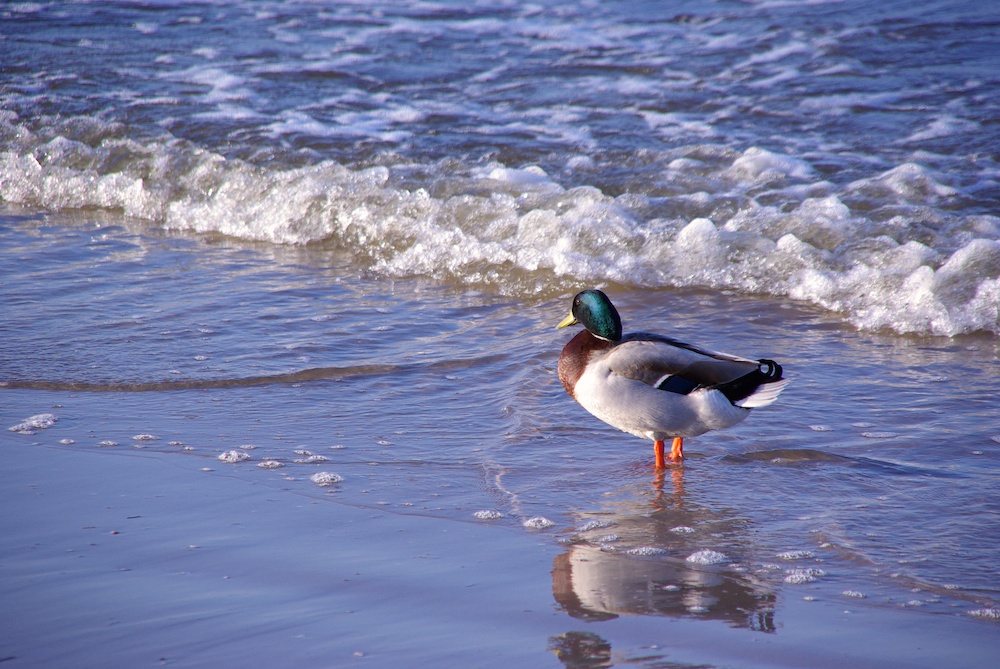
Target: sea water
<point>831,153</point>
<point>335,238</point>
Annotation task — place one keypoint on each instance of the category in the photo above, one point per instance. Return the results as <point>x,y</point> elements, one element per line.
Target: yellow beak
<point>566,322</point>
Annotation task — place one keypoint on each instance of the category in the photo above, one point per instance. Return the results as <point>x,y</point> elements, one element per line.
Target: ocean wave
<point>310,375</point>
<point>890,251</point>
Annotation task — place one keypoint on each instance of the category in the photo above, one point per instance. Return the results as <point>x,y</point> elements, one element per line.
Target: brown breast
<point>574,358</point>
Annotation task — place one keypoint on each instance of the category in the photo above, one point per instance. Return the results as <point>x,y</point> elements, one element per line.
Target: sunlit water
<point>877,468</point>
<point>836,153</point>
<point>336,240</point>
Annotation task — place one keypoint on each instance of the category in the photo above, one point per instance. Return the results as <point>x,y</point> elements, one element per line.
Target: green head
<point>594,311</point>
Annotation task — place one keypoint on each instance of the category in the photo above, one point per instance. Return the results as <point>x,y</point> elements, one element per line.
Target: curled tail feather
<point>756,389</point>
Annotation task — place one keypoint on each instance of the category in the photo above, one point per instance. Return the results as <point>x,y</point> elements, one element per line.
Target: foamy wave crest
<point>753,221</point>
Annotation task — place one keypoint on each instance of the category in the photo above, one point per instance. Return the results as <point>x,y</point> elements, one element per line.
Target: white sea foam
<point>708,556</point>
<point>326,479</point>
<point>923,270</point>
<point>943,126</point>
<point>799,576</point>
<point>538,523</point>
<point>986,614</point>
<point>759,164</point>
<point>646,551</point>
<point>673,124</point>
<point>37,422</point>
<point>844,103</point>
<point>796,555</point>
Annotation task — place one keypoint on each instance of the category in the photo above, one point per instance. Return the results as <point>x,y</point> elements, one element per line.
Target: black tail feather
<point>767,372</point>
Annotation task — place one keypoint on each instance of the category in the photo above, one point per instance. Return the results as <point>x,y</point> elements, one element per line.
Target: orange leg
<point>677,449</point>
<point>658,451</point>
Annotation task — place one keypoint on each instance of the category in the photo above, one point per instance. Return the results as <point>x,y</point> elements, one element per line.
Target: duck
<point>654,386</point>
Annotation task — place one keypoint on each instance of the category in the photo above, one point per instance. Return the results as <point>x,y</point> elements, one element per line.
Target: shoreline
<point>136,559</point>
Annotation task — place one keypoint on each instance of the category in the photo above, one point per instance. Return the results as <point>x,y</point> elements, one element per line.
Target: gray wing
<point>673,365</point>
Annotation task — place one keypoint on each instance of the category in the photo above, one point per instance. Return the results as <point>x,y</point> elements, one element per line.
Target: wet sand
<point>119,558</point>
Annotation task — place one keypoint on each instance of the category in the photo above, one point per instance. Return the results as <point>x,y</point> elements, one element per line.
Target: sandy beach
<point>126,559</point>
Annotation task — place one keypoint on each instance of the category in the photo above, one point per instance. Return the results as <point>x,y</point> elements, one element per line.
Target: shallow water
<point>304,262</point>
<point>869,485</point>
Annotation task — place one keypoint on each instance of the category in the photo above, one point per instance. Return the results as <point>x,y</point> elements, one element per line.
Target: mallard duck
<point>654,386</point>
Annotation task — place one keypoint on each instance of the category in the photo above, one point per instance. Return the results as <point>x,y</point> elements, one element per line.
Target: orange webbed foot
<point>676,452</point>
<point>677,449</point>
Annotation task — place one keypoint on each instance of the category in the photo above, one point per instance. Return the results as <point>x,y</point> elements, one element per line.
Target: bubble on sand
<point>708,557</point>
<point>234,456</point>
<point>798,576</point>
<point>488,514</point>
<point>682,529</point>
<point>312,459</point>
<point>34,423</point>
<point>594,525</point>
<point>795,555</point>
<point>538,523</point>
<point>986,614</point>
<point>144,437</point>
<point>325,479</point>
<point>270,464</point>
<point>645,551</point>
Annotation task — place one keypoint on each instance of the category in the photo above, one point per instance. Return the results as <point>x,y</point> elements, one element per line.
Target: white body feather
<point>640,409</point>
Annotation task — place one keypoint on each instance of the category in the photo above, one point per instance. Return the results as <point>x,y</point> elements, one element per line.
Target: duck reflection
<point>633,561</point>
<point>581,650</point>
